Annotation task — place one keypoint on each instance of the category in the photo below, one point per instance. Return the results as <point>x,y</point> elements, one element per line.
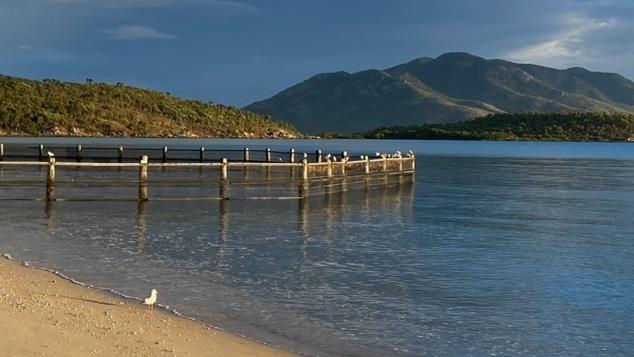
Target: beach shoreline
<point>45,314</point>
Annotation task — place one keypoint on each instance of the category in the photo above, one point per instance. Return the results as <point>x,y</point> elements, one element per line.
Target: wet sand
<point>42,314</point>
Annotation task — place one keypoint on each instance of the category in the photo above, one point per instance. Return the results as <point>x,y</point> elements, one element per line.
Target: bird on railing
<point>411,152</point>
<point>378,154</point>
<point>150,301</point>
<point>50,154</point>
<point>334,158</point>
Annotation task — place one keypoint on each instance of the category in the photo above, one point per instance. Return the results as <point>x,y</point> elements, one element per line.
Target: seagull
<point>378,154</point>
<point>50,154</point>
<point>411,152</point>
<point>151,300</point>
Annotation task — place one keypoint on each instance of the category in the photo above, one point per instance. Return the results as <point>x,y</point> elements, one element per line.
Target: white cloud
<point>137,32</point>
<point>567,46</point>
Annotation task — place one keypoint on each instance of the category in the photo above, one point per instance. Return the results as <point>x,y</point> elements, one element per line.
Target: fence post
<point>164,154</point>
<point>78,153</point>
<point>50,180</point>
<point>366,164</point>
<point>1,152</point>
<point>143,174</point>
<point>305,170</point>
<point>413,162</point>
<point>224,169</point>
<point>400,163</point>
<point>303,187</point>
<point>120,153</point>
<point>384,162</point>
<point>329,168</point>
<point>268,155</point>
<point>291,157</point>
<point>201,154</point>
<point>318,155</point>
<point>224,178</point>
<point>247,156</point>
<point>41,152</point>
<point>344,161</point>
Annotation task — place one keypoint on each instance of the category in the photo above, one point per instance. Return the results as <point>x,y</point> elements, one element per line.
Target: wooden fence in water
<point>255,174</point>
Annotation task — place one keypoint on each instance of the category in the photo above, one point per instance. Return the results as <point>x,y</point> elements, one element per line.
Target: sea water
<point>498,248</point>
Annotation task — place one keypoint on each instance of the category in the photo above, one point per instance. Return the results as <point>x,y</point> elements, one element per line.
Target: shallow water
<point>498,248</point>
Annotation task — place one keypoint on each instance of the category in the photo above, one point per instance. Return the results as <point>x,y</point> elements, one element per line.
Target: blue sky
<point>236,52</point>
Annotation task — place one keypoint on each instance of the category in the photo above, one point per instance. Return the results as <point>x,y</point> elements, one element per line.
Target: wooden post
<point>41,152</point>
<point>120,154</point>
<point>50,180</point>
<point>305,169</point>
<point>202,154</point>
<point>303,187</point>
<point>78,153</point>
<point>343,167</point>
<point>224,178</point>
<point>329,168</point>
<point>247,156</point>
<point>318,155</point>
<point>413,162</point>
<point>268,155</point>
<point>1,152</point>
<point>366,164</point>
<point>384,162</point>
<point>291,157</point>
<point>143,174</point>
<point>164,154</point>
<point>400,163</point>
<point>224,172</point>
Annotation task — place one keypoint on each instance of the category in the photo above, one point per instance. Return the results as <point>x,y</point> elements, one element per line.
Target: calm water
<point>498,248</point>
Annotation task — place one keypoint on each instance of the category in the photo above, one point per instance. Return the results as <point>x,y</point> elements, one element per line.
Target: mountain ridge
<point>452,87</point>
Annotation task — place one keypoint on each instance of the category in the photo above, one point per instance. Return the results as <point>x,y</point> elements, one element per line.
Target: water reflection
<point>141,225</point>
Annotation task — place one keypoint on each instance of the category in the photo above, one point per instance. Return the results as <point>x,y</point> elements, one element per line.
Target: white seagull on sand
<point>152,299</point>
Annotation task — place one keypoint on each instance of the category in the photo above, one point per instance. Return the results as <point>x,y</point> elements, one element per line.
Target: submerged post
<point>291,157</point>
<point>164,158</point>
<point>143,174</point>
<point>120,154</point>
<point>201,154</point>
<point>268,155</point>
<point>50,180</point>
<point>41,152</point>
<point>247,155</point>
<point>318,155</point>
<point>78,153</point>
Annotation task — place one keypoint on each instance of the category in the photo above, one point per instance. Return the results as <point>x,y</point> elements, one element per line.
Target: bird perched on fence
<point>50,154</point>
<point>150,301</point>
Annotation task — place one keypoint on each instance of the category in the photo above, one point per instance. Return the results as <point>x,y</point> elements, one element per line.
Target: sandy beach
<point>42,314</point>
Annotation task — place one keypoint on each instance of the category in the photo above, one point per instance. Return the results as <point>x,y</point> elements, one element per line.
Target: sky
<point>239,51</point>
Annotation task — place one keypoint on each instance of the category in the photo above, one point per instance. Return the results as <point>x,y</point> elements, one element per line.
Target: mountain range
<point>450,88</point>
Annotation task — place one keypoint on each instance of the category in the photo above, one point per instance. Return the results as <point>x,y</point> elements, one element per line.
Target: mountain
<point>51,107</point>
<point>450,88</point>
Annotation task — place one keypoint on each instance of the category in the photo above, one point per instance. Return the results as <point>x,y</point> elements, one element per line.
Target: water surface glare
<point>497,248</point>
